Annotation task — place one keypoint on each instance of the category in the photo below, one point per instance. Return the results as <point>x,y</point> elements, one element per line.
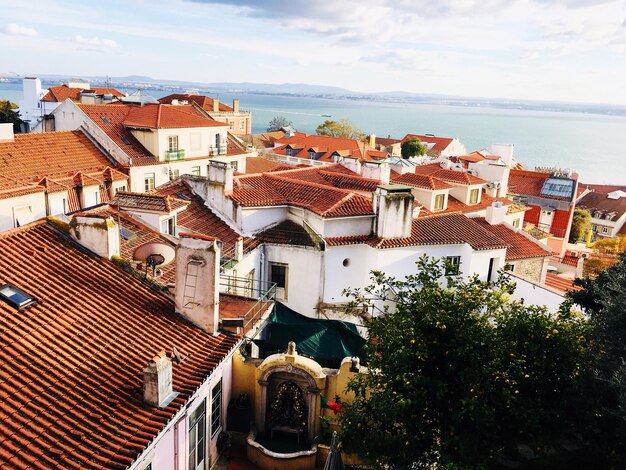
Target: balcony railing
<point>221,150</point>
<point>173,155</point>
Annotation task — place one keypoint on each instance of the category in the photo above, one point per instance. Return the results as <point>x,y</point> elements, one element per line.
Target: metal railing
<point>263,292</point>
<point>173,155</point>
<point>221,150</point>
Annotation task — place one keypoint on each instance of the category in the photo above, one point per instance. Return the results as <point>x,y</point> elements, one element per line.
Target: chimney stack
<point>393,206</point>
<point>97,233</point>
<point>6,132</point>
<point>157,381</point>
<point>496,213</point>
<point>216,105</point>
<point>221,173</point>
<point>235,106</point>
<point>372,141</point>
<point>197,280</point>
<point>376,170</point>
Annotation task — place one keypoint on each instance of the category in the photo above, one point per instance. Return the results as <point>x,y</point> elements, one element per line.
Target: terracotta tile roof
<point>198,218</point>
<point>205,102</point>
<point>149,202</point>
<point>286,233</point>
<point>421,181</point>
<point>110,118</point>
<point>386,141</point>
<point>63,92</point>
<point>427,168</point>
<point>10,187</point>
<point>326,147</point>
<point>71,380</point>
<point>168,116</point>
<point>599,202</point>
<point>561,284</point>
<point>262,165</point>
<point>602,188</point>
<point>454,205</point>
<point>31,157</point>
<point>440,143</point>
<point>458,177</point>
<point>444,229</point>
<point>530,183</point>
<point>272,189</point>
<point>53,186</point>
<point>520,245</point>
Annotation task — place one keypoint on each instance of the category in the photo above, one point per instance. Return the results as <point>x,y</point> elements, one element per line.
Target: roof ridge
<point>339,203</point>
<point>306,183</point>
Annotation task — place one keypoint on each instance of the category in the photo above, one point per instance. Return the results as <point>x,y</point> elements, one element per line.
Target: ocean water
<point>591,144</point>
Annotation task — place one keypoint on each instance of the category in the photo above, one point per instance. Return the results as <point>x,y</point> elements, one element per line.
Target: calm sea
<point>593,145</point>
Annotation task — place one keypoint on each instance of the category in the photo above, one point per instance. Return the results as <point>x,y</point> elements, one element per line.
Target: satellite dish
<point>155,260</point>
<point>143,252</point>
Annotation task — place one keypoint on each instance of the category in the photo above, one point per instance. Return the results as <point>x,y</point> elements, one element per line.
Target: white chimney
<point>6,132</point>
<point>97,233</point>
<point>157,381</point>
<point>376,170</point>
<point>197,280</point>
<point>393,206</point>
<point>445,163</point>
<point>496,213</point>
<point>222,174</point>
<point>350,163</point>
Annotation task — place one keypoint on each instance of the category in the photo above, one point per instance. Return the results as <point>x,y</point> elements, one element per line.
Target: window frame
<point>195,170</point>
<point>196,423</point>
<point>171,226</point>
<point>147,177</point>
<point>216,411</point>
<point>455,262</point>
<point>475,191</point>
<point>285,288</point>
<point>172,139</point>
<point>443,202</point>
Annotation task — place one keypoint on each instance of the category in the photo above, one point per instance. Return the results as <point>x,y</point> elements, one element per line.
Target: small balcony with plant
<point>174,155</point>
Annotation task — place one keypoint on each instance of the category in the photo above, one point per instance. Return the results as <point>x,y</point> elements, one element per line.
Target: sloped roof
<point>595,201</point>
<point>531,183</point>
<point>149,202</point>
<point>286,233</point>
<point>31,157</point>
<point>261,165</point>
<point>63,92</point>
<point>520,246</point>
<point>440,143</point>
<point>444,229</point>
<point>326,147</point>
<point>71,380</point>
<point>458,177</point>
<point>168,116</point>
<point>205,102</point>
<point>422,181</point>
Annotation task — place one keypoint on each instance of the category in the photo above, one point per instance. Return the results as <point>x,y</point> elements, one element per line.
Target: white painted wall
<point>57,202</point>
<point>348,226</point>
<point>534,294</point>
<point>491,171</point>
<point>255,219</point>
<point>36,202</point>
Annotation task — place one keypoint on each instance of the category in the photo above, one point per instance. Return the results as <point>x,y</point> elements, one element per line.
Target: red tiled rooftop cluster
<point>519,245</point>
<point>63,92</point>
<point>71,380</point>
<point>203,101</point>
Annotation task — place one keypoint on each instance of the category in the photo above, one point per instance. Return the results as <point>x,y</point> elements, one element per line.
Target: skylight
<point>104,120</point>
<point>126,234</point>
<point>183,196</point>
<point>558,187</point>
<point>15,297</point>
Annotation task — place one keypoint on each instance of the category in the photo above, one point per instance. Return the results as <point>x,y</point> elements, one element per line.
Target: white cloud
<point>14,29</point>
<point>95,41</point>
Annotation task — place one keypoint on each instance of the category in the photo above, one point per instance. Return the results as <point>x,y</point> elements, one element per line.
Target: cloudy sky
<point>570,50</point>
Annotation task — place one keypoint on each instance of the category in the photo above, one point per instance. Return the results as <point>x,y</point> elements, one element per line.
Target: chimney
<point>350,163</point>
<point>378,170</point>
<point>221,173</point>
<point>197,280</point>
<point>97,233</point>
<point>496,213</point>
<point>216,105</point>
<point>235,106</point>
<point>393,206</point>
<point>157,381</point>
<point>373,141</point>
<point>6,132</point>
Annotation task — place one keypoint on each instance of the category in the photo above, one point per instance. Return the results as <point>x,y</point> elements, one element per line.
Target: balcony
<point>221,150</point>
<point>174,155</point>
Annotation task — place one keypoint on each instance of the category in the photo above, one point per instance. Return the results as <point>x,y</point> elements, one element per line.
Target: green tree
<point>342,128</point>
<point>8,114</point>
<point>458,374</point>
<point>581,224</point>
<point>277,123</point>
<point>413,147</point>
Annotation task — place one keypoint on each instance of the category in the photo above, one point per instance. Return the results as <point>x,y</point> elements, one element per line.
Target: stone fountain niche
<point>287,406</point>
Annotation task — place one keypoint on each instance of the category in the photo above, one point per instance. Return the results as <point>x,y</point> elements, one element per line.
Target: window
<point>174,174</point>
<point>594,228</point>
<point>121,188</point>
<point>234,165</point>
<point>216,409</point>
<point>516,223</point>
<point>218,140</point>
<point>509,267</point>
<point>197,434</point>
<point>168,226</point>
<point>15,297</point>
<point>605,230</point>
<point>148,181</point>
<point>279,275</point>
<point>439,200</point>
<point>195,170</point>
<point>452,264</point>
<point>474,196</point>
<point>242,125</point>
<point>22,215</point>
<point>232,126</point>
<point>172,143</point>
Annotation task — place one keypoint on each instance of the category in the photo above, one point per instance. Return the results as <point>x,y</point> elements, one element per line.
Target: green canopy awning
<point>326,341</point>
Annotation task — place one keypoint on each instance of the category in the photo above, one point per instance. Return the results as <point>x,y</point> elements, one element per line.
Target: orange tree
<point>460,375</point>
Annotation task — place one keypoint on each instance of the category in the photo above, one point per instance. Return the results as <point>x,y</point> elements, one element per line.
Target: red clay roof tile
<point>63,92</point>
